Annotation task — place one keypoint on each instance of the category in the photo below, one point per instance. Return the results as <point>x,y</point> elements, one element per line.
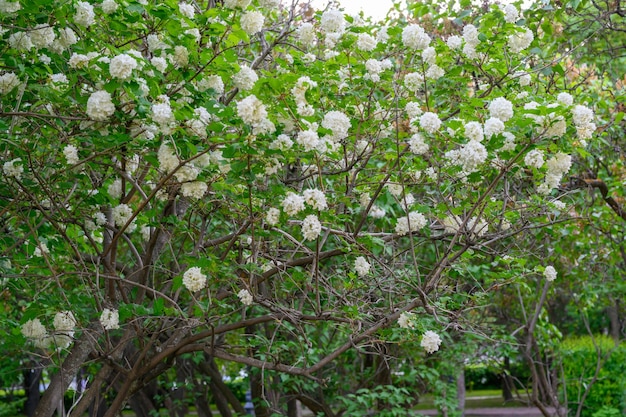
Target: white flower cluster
<point>245,297</point>
<point>417,144</point>
<point>293,204</point>
<point>109,6</point>
<point>186,10</point>
<point>413,36</point>
<point>430,122</point>
<point>549,273</point>
<point>338,123</point>
<point>413,81</point>
<point>511,14</point>
<point>64,324</point>
<point>71,154</point>
<point>121,215</point>
<point>193,279</point>
<point>534,158</point>
<point>252,22</point>
<point>405,321</point>
<point>122,66</point>
<point>315,198</point>
<point>470,36</point>
<point>309,139</point>
<point>520,40</point>
<point>195,189</point>
<point>162,113</point>
<point>493,126</point>
<point>366,42</point>
<point>430,341</point>
<point>110,319</point>
<point>213,82</point>
<point>412,223</point>
<point>9,7</point>
<point>100,106</point>
<point>557,166</point>
<point>452,224</point>
<point>8,81</point>
<point>253,112</point>
<point>374,67</point>
<point>361,266</point>
<point>245,78</point>
<point>311,227</point>
<point>501,108</point>
<point>583,120</point>
<point>36,333</point>
<point>13,168</point>
<point>333,22</point>
<point>469,156</point>
<point>273,216</point>
<point>306,34</point>
<point>299,94</point>
<point>84,15</point>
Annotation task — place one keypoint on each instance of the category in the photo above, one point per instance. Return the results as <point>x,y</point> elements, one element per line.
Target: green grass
<point>476,399</point>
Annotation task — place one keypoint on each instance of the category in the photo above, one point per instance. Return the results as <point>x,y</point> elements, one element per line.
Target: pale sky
<point>375,8</point>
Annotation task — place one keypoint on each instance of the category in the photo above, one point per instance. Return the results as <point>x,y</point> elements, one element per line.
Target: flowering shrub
<point>251,141</point>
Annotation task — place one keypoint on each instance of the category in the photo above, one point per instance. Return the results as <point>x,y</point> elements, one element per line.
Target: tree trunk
<point>507,382</point>
<point>460,390</point>
<point>615,326</point>
<point>32,378</point>
<point>61,380</point>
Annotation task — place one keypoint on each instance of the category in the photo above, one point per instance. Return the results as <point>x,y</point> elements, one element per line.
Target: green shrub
<point>608,394</point>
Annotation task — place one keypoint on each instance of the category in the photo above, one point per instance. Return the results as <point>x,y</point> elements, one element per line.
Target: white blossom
<point>311,227</point>
<point>100,106</point>
<point>13,168</point>
<point>315,198</point>
<point>273,216</point>
<point>194,189</point>
<point>332,21</point>
<point>430,122</point>
<point>110,319</point>
<point>366,42</point>
<point>122,66</point>
<point>413,36</point>
<point>8,81</point>
<point>565,99</point>
<point>84,15</point>
<point>534,158</point>
<point>549,273</point>
<point>511,14</point>
<point>412,223</point>
<point>245,78</point>
<point>417,144</point>
<point>501,108</point>
<point>245,297</point>
<point>292,204</point>
<point>252,22</point>
<point>109,6</point>
<point>520,40</point>
<point>454,42</point>
<point>121,215</point>
<point>405,321</point>
<point>194,280</point>
<point>338,122</point>
<point>493,126</point>
<point>186,10</point>
<point>42,35</point>
<point>430,341</point>
<point>361,266</point>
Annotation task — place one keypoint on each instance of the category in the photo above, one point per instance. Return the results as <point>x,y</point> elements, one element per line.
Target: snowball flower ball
<point>549,273</point>
<point>430,341</point>
<point>100,106</point>
<point>193,279</point>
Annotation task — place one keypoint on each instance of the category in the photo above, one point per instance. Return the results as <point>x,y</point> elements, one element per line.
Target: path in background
<point>495,412</point>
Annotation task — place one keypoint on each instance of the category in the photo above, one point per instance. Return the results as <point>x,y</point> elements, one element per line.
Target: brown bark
<point>61,380</point>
